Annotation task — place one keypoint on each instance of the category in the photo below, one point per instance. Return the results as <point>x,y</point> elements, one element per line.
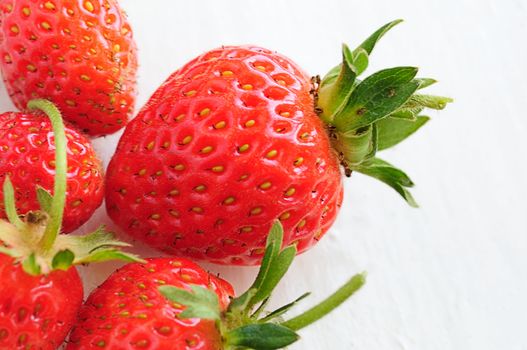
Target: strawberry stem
<point>332,302</point>
<point>59,191</point>
<point>10,205</point>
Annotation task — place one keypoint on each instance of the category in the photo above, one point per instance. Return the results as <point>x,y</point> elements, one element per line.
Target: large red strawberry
<point>41,291</point>
<point>79,54</point>
<point>130,311</point>
<point>240,137</point>
<point>27,154</point>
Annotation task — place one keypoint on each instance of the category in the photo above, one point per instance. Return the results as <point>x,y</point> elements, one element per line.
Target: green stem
<point>314,314</point>
<point>10,205</point>
<point>59,192</point>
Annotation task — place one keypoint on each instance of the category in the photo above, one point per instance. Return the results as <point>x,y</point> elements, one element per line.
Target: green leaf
<point>329,304</point>
<point>273,246</point>
<point>409,113</point>
<point>63,260</point>
<point>394,130</point>
<point>10,204</point>
<point>360,60</point>
<point>31,266</point>
<point>278,269</point>
<point>199,302</point>
<point>376,97</point>
<point>425,82</point>
<point>372,40</point>
<point>390,175</point>
<point>9,251</point>
<point>282,310</point>
<point>266,336</point>
<point>44,199</point>
<point>428,101</point>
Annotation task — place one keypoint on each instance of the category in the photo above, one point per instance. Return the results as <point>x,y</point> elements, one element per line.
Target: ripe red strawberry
<point>130,311</point>
<point>79,54</point>
<point>42,311</point>
<point>240,137</point>
<point>27,155</point>
<point>40,289</point>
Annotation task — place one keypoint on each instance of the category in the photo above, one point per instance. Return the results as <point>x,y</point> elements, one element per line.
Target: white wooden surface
<point>451,275</point>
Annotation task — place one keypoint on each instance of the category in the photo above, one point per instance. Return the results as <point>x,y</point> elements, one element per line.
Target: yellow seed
<point>220,125</point>
<point>197,210</point>
<point>76,203</point>
<point>285,114</point>
<point>243,148</point>
<point>266,185</point>
<point>31,68</point>
<point>218,168</point>
<point>247,87</point>
<point>304,135</point>
<point>88,38</point>
<point>301,223</point>
<point>285,216</point>
<point>14,29</point>
<point>180,117</point>
<point>247,229</point>
<point>179,167</point>
<point>116,48</point>
<point>71,103</point>
<point>155,216</point>
<point>89,6</point>
<point>150,145</point>
<point>250,123</point>
<point>174,192</point>
<point>84,77</point>
<point>291,191</point>
<point>271,154</point>
<point>260,68</point>
<point>7,58</point>
<point>256,211</point>
<point>200,188</point>
<point>70,12</point>
<point>174,213</point>
<point>142,172</point>
<point>299,161</point>
<point>46,25</point>
<point>26,11</point>
<point>186,277</point>
<point>243,177</point>
<point>190,93</point>
<point>227,73</point>
<point>186,140</point>
<point>49,5</point>
<point>229,200</point>
<point>281,82</point>
<point>207,149</point>
<point>204,112</point>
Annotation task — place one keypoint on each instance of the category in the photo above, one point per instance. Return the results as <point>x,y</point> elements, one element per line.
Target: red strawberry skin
<point>27,155</point>
<point>79,54</point>
<point>228,144</point>
<point>128,312</point>
<point>36,312</point>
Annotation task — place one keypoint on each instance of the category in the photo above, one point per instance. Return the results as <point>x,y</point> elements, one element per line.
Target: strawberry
<point>41,289</point>
<point>79,54</point>
<point>27,156</point>
<point>40,314</point>
<point>172,303</point>
<point>241,136</point>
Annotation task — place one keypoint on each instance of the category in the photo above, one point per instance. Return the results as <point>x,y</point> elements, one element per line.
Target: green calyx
<point>34,240</point>
<point>245,324</point>
<point>370,115</point>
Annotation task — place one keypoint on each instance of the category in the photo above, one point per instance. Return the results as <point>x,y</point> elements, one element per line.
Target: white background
<point>450,275</point>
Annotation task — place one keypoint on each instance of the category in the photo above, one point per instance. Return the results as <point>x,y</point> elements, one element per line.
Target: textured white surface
<point>451,275</point>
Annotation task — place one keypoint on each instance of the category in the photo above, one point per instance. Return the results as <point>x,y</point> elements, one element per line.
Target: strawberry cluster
<point>236,159</point>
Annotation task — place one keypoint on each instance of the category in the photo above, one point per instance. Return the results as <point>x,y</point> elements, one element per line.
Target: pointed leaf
<point>394,130</point>
<point>107,254</point>
<point>199,303</point>
<point>266,336</point>
<point>376,97</point>
<point>10,204</point>
<point>63,260</point>
<point>278,269</point>
<point>409,113</point>
<point>282,310</point>
<point>390,175</point>
<point>44,199</point>
<point>31,266</point>
<point>360,60</point>
<point>428,101</point>
<point>372,40</point>
<point>425,82</point>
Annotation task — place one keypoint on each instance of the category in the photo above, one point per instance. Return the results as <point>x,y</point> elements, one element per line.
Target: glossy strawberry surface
<point>79,54</point>
<point>27,155</point>
<point>228,144</point>
<point>36,312</point>
<point>128,312</point>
